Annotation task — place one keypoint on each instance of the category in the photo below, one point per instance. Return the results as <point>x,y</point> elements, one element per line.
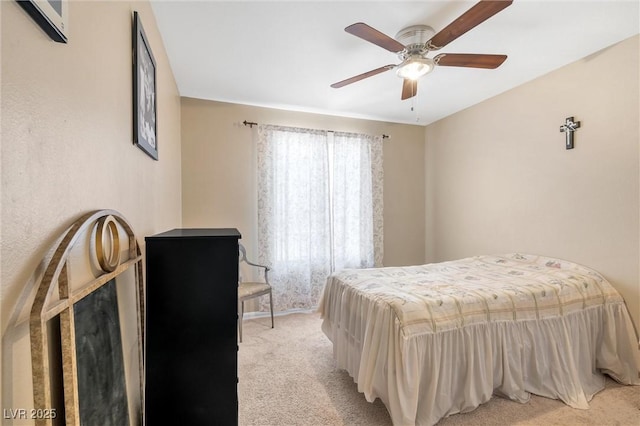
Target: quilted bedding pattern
<point>441,296</point>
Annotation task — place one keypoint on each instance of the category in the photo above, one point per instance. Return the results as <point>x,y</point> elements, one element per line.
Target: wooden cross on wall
<point>568,128</point>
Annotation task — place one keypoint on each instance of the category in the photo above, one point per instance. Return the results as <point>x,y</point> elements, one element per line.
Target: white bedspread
<point>439,339</point>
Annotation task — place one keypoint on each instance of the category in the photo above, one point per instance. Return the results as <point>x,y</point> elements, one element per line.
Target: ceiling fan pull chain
<point>413,102</point>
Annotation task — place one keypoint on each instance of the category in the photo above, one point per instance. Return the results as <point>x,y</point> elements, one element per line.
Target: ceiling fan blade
<point>362,76</point>
<point>470,60</point>
<point>374,36</point>
<point>409,88</point>
<point>479,13</point>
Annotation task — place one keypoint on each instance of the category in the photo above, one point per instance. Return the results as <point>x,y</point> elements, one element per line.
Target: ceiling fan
<point>412,44</point>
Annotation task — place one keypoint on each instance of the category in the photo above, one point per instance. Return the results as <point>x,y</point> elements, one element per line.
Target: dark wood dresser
<point>191,358</point>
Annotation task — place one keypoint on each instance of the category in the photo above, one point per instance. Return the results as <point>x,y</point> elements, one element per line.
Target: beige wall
<point>67,149</point>
<point>500,180</point>
<point>219,180</point>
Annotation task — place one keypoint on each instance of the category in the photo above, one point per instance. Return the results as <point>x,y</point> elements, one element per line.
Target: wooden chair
<point>250,290</point>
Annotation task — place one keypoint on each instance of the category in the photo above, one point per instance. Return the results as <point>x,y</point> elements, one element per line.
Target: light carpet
<point>287,376</point>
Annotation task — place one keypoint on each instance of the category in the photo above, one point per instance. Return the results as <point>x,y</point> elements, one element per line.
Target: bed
<point>442,338</point>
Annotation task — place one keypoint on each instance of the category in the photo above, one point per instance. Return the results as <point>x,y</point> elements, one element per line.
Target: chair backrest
<point>242,253</point>
<point>242,257</point>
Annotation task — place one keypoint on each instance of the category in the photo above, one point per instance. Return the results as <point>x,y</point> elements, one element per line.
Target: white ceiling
<point>285,54</point>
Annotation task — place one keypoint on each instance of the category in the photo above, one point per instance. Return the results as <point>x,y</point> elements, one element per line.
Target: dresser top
<point>198,233</point>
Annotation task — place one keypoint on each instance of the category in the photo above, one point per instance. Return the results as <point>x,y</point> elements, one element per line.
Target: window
<point>319,208</point>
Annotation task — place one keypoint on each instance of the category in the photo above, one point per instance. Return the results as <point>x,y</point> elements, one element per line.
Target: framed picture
<point>145,134</point>
<point>51,15</point>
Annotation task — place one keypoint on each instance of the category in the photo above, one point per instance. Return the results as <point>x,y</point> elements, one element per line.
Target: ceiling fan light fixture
<point>415,67</point>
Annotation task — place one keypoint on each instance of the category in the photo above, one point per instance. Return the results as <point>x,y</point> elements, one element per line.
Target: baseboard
<point>252,315</point>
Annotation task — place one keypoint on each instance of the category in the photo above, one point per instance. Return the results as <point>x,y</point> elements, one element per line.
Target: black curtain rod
<point>251,124</point>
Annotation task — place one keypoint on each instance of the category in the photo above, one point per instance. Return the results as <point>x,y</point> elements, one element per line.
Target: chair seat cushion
<point>248,289</point>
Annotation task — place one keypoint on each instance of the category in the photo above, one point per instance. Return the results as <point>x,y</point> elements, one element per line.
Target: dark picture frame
<point>50,15</point>
<point>145,134</point>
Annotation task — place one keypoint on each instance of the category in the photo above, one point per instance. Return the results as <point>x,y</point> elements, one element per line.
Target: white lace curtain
<point>319,208</point>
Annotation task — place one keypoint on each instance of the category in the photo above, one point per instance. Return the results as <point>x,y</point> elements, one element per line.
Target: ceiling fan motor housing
<point>415,39</point>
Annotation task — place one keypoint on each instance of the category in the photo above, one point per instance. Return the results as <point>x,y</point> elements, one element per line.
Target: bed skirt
<point>423,378</point>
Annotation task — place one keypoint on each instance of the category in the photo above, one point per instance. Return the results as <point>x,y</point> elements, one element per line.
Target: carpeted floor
<point>287,377</point>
